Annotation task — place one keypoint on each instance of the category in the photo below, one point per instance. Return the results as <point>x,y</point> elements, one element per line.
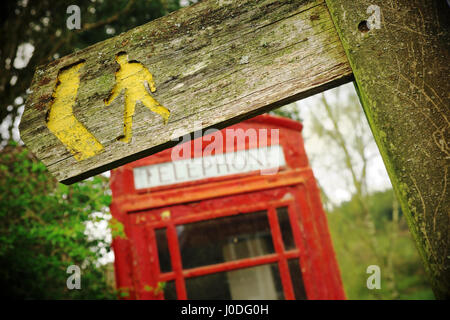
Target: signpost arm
<point>207,66</point>
<point>399,54</point>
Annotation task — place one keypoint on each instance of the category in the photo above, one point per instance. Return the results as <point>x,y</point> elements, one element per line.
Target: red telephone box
<point>201,231</point>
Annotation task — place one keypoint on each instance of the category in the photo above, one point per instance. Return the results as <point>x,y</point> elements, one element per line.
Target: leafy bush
<point>42,231</point>
<point>391,248</point>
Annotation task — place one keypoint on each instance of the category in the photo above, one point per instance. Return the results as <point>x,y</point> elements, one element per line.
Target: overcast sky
<point>333,181</point>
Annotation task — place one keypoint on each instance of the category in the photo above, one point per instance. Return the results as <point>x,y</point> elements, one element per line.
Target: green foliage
<point>124,292</point>
<point>117,228</point>
<point>402,272</point>
<point>42,231</point>
<point>288,111</point>
<point>159,288</point>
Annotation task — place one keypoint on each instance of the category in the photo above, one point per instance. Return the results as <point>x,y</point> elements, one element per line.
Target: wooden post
<point>399,54</point>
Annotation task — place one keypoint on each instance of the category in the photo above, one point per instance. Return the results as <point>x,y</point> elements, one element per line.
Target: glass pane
<point>255,283</point>
<point>163,250</point>
<point>225,239</point>
<point>297,280</point>
<point>170,292</point>
<point>286,228</point>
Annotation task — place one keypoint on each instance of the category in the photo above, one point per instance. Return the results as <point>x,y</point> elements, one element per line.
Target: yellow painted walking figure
<point>131,77</point>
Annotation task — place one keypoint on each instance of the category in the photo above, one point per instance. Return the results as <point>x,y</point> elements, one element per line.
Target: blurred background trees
<point>43,231</point>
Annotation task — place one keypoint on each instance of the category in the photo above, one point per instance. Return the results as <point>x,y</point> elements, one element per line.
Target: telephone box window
<point>225,239</point>
<point>297,280</point>
<point>255,283</point>
<point>285,226</point>
<point>163,250</point>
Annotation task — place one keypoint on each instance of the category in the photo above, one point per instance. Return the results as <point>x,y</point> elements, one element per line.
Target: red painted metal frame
<point>143,211</point>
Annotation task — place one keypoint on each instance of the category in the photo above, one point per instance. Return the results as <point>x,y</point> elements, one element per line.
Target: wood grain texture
<point>214,64</point>
<point>401,71</point>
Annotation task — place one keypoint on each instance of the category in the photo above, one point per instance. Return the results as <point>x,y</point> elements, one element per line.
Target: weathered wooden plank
<point>401,71</point>
<point>214,63</point>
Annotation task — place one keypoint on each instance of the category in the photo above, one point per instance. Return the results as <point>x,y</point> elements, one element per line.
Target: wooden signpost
<point>220,62</point>
<point>217,63</point>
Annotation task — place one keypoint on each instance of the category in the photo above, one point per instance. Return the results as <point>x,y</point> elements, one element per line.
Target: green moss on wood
<point>399,71</point>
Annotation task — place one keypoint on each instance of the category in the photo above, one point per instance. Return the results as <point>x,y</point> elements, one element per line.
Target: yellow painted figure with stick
<point>131,77</point>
